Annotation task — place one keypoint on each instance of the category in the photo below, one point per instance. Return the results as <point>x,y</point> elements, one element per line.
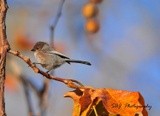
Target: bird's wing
<point>59,54</point>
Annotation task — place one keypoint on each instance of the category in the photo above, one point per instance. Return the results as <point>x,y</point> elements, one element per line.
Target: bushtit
<point>50,59</point>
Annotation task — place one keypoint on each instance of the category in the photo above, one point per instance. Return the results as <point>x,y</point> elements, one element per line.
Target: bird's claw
<point>34,63</point>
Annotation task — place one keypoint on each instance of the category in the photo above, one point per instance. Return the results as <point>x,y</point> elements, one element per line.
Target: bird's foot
<point>35,63</point>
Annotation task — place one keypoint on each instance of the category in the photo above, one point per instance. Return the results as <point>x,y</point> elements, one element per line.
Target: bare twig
<point>69,82</point>
<point>53,25</point>
<point>43,97</point>
<point>4,47</point>
<point>32,85</point>
<point>25,85</point>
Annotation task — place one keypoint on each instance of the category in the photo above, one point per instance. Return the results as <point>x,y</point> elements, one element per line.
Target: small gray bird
<point>50,59</point>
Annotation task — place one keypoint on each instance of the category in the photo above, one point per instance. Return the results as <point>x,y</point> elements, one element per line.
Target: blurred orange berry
<point>96,1</point>
<point>89,10</point>
<point>92,26</point>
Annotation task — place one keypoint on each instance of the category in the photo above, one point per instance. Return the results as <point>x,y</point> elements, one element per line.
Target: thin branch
<point>53,25</point>
<point>69,82</point>
<point>43,97</point>
<point>25,85</point>
<point>41,94</point>
<point>31,85</point>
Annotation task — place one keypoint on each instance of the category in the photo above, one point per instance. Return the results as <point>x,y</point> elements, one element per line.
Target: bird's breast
<point>40,57</point>
<point>49,61</point>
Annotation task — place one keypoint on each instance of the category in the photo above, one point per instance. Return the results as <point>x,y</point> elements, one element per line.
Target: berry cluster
<point>90,12</point>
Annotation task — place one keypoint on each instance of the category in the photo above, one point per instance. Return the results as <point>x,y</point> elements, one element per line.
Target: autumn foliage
<point>23,42</point>
<point>107,102</point>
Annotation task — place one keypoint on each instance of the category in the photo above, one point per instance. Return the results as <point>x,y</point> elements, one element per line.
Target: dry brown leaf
<point>106,102</point>
<point>11,83</point>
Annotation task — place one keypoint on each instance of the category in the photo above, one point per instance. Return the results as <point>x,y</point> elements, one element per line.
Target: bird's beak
<point>32,49</point>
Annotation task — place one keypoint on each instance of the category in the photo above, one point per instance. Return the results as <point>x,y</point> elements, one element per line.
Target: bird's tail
<point>78,61</point>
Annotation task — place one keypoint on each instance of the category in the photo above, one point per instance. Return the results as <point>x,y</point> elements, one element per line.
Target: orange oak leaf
<point>107,102</point>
